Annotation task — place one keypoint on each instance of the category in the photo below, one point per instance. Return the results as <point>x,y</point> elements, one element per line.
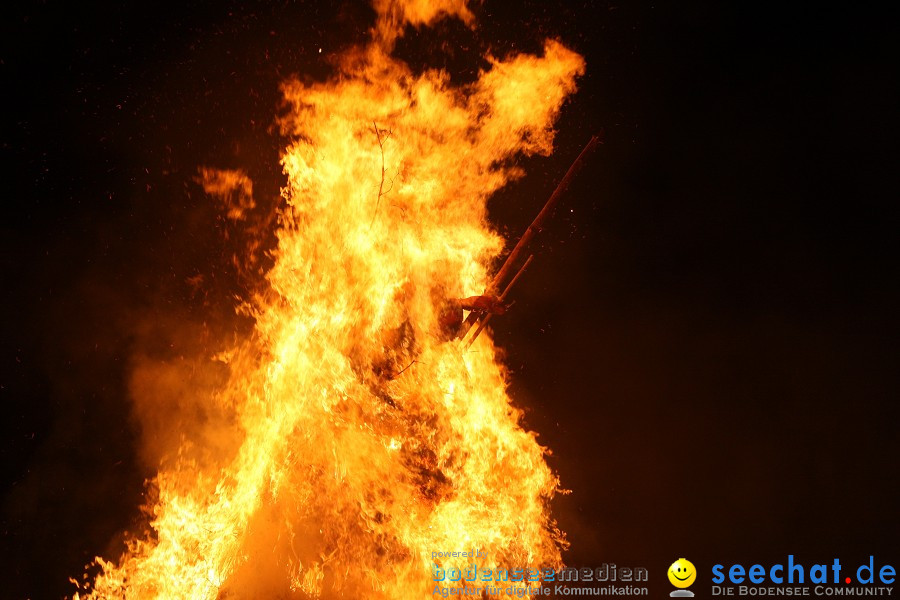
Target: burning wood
<point>317,487</point>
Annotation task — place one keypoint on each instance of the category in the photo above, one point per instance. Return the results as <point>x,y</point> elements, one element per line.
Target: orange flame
<point>334,477</point>
<point>232,188</point>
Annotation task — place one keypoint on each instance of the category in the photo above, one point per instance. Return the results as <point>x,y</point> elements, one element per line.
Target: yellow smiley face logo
<point>682,573</point>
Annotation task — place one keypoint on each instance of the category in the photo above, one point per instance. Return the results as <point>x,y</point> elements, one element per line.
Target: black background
<point>707,341</point>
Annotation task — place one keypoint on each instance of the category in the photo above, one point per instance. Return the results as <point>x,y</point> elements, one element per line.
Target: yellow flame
<point>335,477</point>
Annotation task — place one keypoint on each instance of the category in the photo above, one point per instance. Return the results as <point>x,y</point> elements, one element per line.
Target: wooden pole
<point>532,230</point>
<point>535,226</point>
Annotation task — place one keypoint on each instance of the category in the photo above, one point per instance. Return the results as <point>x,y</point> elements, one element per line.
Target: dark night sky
<point>708,341</point>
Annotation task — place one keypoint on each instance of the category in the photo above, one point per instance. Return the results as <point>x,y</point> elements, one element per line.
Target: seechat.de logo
<point>682,574</point>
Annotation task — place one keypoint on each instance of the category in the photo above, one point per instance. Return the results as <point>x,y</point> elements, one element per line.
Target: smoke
<point>172,390</point>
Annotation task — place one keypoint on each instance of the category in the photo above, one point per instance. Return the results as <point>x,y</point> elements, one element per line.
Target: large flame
<point>330,475</point>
